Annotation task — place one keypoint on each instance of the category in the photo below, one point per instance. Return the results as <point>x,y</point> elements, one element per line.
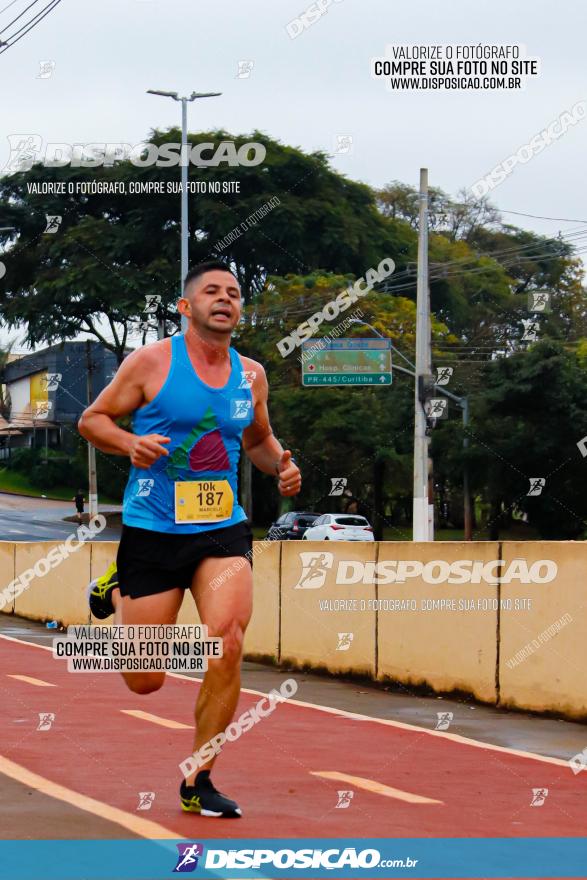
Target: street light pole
<point>420,515</point>
<point>184,201</point>
<point>184,160</point>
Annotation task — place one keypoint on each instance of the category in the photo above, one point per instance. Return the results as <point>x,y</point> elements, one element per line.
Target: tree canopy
<point>111,250</point>
<point>296,232</point>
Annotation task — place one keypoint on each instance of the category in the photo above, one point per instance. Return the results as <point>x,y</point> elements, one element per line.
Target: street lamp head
<point>176,97</point>
<point>173,95</point>
<point>195,95</point>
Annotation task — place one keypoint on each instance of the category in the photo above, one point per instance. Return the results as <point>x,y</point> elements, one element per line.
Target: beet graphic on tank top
<point>202,450</point>
<point>209,454</point>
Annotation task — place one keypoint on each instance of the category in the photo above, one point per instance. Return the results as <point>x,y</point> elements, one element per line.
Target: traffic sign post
<point>346,362</point>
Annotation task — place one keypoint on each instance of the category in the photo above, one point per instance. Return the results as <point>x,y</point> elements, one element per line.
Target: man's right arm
<point>120,398</point>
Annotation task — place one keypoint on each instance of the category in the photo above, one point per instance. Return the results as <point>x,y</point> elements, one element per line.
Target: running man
<point>193,400</point>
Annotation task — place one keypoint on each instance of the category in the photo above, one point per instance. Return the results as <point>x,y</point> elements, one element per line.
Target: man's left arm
<point>262,446</point>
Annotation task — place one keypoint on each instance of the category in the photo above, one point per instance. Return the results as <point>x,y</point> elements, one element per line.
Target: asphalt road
<point>38,519</point>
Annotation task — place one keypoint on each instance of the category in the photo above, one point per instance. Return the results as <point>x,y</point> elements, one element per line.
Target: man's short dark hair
<point>202,268</point>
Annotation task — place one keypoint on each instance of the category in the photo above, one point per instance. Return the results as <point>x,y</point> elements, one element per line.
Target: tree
<point>112,249</point>
<point>459,219</point>
<point>483,271</point>
<point>525,424</point>
<point>540,263</point>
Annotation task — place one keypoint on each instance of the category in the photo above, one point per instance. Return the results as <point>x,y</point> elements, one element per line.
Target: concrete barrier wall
<point>7,571</point>
<point>60,593</point>
<point>543,647</point>
<point>262,636</point>
<point>322,605</point>
<point>319,614</point>
<point>448,646</point>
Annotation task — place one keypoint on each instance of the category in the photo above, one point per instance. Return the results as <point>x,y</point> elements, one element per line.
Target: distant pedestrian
<point>350,504</point>
<point>79,501</point>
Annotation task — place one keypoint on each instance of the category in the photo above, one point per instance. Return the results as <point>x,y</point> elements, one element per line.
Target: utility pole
<point>420,518</point>
<point>468,517</point>
<point>463,402</point>
<point>184,160</point>
<point>161,330</point>
<point>92,475</point>
<point>429,369</point>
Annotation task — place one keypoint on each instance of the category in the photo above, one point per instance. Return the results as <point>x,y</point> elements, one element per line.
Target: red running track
<point>94,749</point>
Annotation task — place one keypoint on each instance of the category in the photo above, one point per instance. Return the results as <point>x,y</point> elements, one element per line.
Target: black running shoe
<point>203,798</point>
<point>100,593</point>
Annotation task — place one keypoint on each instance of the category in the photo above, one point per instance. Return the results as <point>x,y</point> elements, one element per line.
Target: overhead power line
<point>20,15</point>
<point>10,40</point>
<point>8,7</point>
<point>29,24</point>
<point>539,217</point>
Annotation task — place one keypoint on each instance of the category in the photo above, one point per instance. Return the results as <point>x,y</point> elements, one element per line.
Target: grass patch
<point>19,484</point>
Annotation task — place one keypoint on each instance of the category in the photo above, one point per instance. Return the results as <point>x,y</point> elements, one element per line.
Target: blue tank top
<point>205,425</point>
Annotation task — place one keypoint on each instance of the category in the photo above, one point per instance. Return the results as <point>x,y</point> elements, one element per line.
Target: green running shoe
<point>100,593</point>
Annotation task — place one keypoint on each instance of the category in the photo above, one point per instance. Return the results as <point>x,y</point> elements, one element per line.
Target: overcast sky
<point>309,90</point>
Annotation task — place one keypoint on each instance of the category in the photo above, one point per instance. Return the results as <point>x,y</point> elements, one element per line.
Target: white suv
<point>339,527</point>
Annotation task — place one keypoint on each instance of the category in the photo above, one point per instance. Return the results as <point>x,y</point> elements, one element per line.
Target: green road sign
<point>346,362</point>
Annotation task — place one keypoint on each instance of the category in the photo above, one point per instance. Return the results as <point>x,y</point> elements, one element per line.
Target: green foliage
<point>528,403</point>
<point>46,470</point>
<point>112,249</point>
<point>526,423</point>
<point>56,469</point>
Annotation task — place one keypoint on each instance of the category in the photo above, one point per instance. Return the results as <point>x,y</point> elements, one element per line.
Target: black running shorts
<point>152,562</point>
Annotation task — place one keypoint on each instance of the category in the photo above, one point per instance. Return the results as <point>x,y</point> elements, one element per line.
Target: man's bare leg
<point>162,608</point>
<point>226,612</point>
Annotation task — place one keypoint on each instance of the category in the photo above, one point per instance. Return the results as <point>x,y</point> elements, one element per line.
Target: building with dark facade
<point>46,392</point>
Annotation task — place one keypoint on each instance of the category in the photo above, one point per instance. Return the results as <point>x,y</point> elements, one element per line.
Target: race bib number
<point>203,501</point>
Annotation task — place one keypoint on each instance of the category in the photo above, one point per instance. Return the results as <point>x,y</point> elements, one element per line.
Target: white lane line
<point>375,787</point>
<point>28,679</point>
<point>135,824</point>
<point>156,719</point>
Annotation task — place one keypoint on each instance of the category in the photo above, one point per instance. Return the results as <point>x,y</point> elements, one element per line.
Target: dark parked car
<point>291,526</point>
